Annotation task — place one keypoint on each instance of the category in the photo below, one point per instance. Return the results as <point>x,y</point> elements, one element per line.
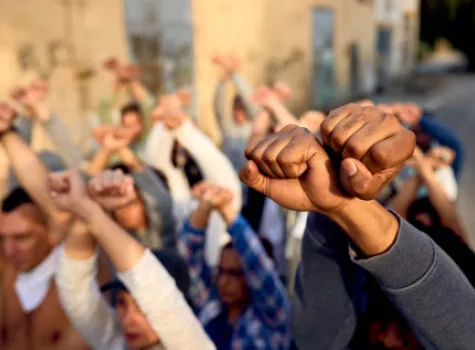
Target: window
<point>160,40</point>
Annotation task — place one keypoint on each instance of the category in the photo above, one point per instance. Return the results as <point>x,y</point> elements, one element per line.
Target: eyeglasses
<point>234,273</point>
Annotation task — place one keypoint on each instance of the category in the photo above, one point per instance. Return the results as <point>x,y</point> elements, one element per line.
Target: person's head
<point>387,328</point>
<point>421,211</point>
<point>24,238</point>
<point>240,115</point>
<point>137,330</point>
<point>133,216</point>
<point>230,279</point>
<point>131,118</point>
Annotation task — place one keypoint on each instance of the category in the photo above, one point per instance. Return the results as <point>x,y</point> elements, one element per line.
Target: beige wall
<point>93,31</point>
<point>266,31</point>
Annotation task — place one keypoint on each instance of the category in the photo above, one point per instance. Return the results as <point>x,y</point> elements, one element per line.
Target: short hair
<point>132,107</point>
<point>266,244</point>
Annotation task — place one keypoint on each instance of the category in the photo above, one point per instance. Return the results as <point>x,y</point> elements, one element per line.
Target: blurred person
<point>135,117</point>
<point>244,305</point>
<point>32,98</point>
<point>150,310</point>
<point>174,124</point>
<point>30,226</point>
<point>348,232</point>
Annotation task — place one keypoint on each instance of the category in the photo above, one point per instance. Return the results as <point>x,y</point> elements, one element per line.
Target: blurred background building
<point>325,50</point>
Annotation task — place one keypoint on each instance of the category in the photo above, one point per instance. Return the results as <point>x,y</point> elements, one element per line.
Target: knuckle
<point>337,141</point>
<point>353,150</point>
<point>284,159</point>
<point>381,154</point>
<point>268,156</point>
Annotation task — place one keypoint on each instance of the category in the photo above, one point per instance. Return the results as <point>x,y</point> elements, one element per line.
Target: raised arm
<point>445,208</point>
<point>244,90</point>
<point>405,262</point>
<point>191,245</point>
<point>110,145</point>
<point>25,163</point>
<point>144,276</point>
<point>268,293</point>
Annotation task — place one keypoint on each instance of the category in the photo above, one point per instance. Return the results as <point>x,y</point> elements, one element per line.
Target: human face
<point>133,121</point>
<point>137,330</point>
<point>24,237</point>
<point>232,286</point>
<point>133,216</point>
<point>393,336</point>
<point>240,116</point>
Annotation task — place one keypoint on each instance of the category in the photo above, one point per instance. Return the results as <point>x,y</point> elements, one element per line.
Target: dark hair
<point>132,107</point>
<point>420,206</point>
<point>266,244</point>
<point>238,102</point>
<point>121,166</point>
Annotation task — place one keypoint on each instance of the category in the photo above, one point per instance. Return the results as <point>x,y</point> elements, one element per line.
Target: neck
<point>234,311</point>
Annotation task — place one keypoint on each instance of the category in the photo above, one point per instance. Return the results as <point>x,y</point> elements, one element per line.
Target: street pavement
<point>454,103</point>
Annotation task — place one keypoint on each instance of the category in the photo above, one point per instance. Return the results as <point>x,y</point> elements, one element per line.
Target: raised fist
<point>68,191</point>
<point>213,195</point>
<point>113,142</point>
<point>373,145</point>
<point>293,169</point>
<point>112,189</point>
<point>7,116</point>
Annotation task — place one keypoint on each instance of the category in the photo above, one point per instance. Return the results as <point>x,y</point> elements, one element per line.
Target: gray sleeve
<point>24,126</point>
<point>225,121</point>
<point>159,203</point>
<point>329,287</point>
<point>244,90</point>
<point>427,288</point>
<point>65,146</point>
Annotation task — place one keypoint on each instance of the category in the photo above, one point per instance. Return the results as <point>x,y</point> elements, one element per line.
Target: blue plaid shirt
<point>265,322</point>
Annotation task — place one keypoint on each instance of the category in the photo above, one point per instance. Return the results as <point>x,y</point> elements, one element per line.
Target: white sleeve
<point>158,154</point>
<point>84,304</point>
<point>163,304</point>
<point>215,166</point>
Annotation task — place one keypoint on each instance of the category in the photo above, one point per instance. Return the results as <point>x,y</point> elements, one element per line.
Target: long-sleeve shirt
<point>152,288</point>
<point>420,279</point>
<point>214,165</point>
<point>235,136</point>
<point>161,232</point>
<point>265,322</point>
<point>59,135</point>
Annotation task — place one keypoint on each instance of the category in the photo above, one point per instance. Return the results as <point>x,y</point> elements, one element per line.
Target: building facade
<point>324,49</point>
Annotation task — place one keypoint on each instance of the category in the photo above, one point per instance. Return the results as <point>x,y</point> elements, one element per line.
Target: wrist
<point>86,210</point>
<point>368,224</point>
<point>229,214</point>
<point>41,112</point>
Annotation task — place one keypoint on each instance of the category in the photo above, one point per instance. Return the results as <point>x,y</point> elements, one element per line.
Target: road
<point>454,103</point>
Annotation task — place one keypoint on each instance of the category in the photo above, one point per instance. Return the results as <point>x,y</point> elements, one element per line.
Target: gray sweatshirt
<point>59,135</point>
<point>235,136</point>
<point>421,281</point>
<point>161,232</point>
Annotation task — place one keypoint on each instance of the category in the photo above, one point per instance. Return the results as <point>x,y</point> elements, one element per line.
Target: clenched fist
<point>112,189</point>
<point>295,170</point>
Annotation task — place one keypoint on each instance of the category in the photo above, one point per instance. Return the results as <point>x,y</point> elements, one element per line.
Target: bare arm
<point>130,159</point>
<point>444,207</point>
<point>26,163</point>
<point>401,202</point>
<point>100,161</point>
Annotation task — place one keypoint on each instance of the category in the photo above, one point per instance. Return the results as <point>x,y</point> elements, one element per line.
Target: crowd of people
<point>322,231</point>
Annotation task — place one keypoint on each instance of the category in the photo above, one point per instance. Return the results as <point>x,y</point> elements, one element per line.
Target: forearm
<point>65,146</point>
<point>128,157</point>
<point>139,92</point>
<point>200,216</point>
<point>99,162</point>
<point>244,90</point>
<point>79,244</point>
<point>445,208</point>
<point>369,225</point>
<point>327,319</point>
<point>282,114</point>
<point>401,202</point>
<point>123,250</point>
<point>30,171</point>
<point>224,120</point>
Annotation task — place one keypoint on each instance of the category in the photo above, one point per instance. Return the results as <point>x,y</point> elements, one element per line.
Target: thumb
<point>251,176</point>
<point>358,181</point>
